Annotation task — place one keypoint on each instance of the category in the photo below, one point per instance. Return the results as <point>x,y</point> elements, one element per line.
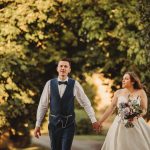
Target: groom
<point>59,94</point>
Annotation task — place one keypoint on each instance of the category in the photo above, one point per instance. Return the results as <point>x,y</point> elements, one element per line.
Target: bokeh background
<point>104,39</point>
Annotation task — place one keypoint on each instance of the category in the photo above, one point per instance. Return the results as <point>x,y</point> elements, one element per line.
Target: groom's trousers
<point>61,138</point>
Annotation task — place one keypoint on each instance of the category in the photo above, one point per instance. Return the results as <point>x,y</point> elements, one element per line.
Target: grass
<point>90,137</point>
<point>80,114</point>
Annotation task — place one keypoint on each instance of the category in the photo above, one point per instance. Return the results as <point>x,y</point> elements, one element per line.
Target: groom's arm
<point>84,101</point>
<point>42,108</point>
<point>43,104</point>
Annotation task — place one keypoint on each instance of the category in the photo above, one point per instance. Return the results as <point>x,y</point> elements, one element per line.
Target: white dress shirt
<point>78,93</point>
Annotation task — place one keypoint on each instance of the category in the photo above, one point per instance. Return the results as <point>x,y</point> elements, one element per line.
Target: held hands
<point>96,126</point>
<point>37,132</point>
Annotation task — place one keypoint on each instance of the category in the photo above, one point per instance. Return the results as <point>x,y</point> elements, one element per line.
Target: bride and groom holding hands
<point>59,94</point>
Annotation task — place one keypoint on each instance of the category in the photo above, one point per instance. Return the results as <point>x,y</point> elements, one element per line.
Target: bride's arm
<point>144,102</point>
<point>110,109</point>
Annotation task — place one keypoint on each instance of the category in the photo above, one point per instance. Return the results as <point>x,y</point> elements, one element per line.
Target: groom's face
<point>63,68</point>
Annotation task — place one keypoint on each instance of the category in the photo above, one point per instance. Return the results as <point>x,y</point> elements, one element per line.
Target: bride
<point>129,131</point>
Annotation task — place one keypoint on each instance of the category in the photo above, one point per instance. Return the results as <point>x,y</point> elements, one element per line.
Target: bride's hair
<point>134,78</point>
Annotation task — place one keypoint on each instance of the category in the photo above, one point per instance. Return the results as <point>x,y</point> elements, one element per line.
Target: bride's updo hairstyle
<point>134,78</point>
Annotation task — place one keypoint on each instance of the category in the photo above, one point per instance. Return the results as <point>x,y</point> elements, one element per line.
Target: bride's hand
<point>100,125</point>
<point>96,126</point>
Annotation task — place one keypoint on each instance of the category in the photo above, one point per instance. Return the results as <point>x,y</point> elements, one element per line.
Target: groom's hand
<point>37,132</point>
<point>96,126</point>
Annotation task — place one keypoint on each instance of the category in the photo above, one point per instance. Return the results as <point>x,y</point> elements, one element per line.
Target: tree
<point>144,35</point>
<point>100,35</point>
<point>22,63</point>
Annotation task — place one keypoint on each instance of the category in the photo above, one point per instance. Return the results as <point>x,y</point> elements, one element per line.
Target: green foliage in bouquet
<point>129,111</point>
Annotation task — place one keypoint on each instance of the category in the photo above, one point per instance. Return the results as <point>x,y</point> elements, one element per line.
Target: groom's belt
<point>62,121</point>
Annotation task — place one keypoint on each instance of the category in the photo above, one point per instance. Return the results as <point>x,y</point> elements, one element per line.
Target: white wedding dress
<point>121,138</point>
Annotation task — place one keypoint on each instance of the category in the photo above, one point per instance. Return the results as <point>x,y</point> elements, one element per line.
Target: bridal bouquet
<point>128,111</point>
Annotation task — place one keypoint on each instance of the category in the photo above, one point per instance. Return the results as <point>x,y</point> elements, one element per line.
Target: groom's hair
<point>66,59</point>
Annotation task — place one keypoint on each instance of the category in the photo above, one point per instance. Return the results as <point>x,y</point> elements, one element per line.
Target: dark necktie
<point>62,82</point>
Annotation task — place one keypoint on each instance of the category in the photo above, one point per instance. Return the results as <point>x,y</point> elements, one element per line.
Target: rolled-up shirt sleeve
<point>43,104</point>
<point>84,101</point>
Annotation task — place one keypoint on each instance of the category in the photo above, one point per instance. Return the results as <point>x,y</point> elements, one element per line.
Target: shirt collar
<point>63,80</point>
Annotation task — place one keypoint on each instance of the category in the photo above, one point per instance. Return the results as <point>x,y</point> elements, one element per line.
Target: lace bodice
<point>125,99</point>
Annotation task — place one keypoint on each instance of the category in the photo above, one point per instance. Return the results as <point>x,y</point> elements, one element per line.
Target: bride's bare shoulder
<point>120,92</point>
<point>141,92</point>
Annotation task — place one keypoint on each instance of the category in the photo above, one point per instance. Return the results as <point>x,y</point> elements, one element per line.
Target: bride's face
<point>126,81</point>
